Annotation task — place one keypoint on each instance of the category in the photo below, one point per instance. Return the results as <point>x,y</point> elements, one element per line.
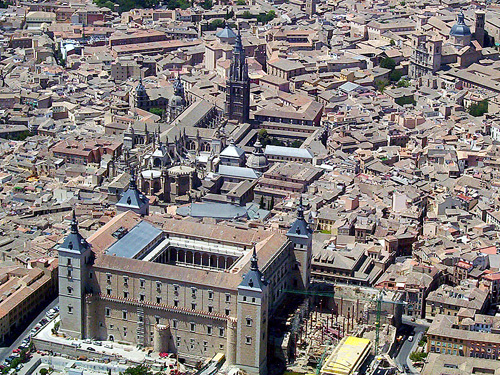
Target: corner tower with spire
<point>75,257</point>
<point>132,199</point>
<point>252,320</point>
<point>300,235</point>
<point>238,85</point>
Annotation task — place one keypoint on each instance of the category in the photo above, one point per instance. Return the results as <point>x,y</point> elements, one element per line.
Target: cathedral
<point>192,140</point>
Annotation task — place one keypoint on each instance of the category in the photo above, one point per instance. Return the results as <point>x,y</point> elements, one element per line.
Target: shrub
<point>479,109</point>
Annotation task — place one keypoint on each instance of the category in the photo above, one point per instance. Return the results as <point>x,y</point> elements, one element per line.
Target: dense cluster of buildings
<point>185,173</point>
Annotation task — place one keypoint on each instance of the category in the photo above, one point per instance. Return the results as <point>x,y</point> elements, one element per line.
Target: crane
<point>378,302</point>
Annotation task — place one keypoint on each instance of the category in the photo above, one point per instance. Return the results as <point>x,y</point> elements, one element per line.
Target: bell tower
<point>238,85</point>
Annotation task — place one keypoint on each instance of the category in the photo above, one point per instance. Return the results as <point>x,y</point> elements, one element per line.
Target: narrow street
<point>5,351</point>
<point>403,356</point>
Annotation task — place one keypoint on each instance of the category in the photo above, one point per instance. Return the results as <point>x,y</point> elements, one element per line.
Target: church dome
<point>460,28</point>
<point>226,33</point>
<point>257,160</point>
<point>176,101</point>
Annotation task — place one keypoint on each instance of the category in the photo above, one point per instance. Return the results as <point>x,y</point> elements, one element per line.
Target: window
<point>70,290</point>
<point>248,340</point>
<point>124,331</point>
<point>108,291</point>
<point>69,261</point>
<point>175,323</point>
<point>228,298</point>
<point>191,343</point>
<point>221,332</point>
<point>142,283</point>
<point>249,322</point>
<point>176,303</point>
<point>125,294</point>
<point>209,330</point>
<point>70,273</point>
<point>157,319</point>
<point>253,299</point>
<point>108,278</point>
<point>111,326</point>
<point>108,311</point>
<point>176,288</point>
<point>228,312</point>
<point>142,297</point>
<point>193,306</point>
<point>70,309</point>
<point>192,327</point>
<point>210,309</point>
<point>210,294</point>
<point>125,280</point>
<point>158,299</point>
<point>221,346</point>
<point>205,344</point>
<point>158,285</point>
<point>124,314</point>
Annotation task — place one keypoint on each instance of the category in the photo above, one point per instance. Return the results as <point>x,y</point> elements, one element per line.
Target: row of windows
<point>142,284</point>
<point>142,298</point>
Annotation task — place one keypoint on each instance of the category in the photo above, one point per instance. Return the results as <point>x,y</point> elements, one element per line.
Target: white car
<point>410,339</point>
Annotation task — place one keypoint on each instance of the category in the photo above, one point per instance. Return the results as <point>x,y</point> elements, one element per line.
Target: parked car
<point>76,344</point>
<point>91,349</point>
<point>98,343</point>
<point>88,341</point>
<point>109,346</point>
<point>410,339</point>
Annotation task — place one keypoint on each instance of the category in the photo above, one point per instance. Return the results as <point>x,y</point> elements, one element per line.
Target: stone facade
<point>187,291</point>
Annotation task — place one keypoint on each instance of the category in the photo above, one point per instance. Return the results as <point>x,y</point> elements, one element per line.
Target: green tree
<point>207,4</point>
<point>395,75</point>
<point>44,371</point>
<point>267,17</point>
<point>405,100</point>
<point>241,2</point>
<point>157,111</point>
<point>263,137</point>
<point>381,84</point>
<point>392,42</point>
<point>229,14</point>
<point>271,204</point>
<point>479,109</point>
<point>138,370</point>
<point>217,23</point>
<point>403,83</point>
<point>418,356</point>
<point>296,144</point>
<point>246,14</point>
<point>388,63</point>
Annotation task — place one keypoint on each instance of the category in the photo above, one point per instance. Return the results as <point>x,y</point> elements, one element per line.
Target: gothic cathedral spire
<point>238,85</point>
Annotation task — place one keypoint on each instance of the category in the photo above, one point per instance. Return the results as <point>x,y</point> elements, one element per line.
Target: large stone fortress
<point>184,287</point>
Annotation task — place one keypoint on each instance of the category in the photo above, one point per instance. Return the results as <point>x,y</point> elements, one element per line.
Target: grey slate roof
<point>135,240</point>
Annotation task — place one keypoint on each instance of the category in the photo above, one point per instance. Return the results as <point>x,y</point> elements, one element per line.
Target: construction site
<point>342,330</point>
